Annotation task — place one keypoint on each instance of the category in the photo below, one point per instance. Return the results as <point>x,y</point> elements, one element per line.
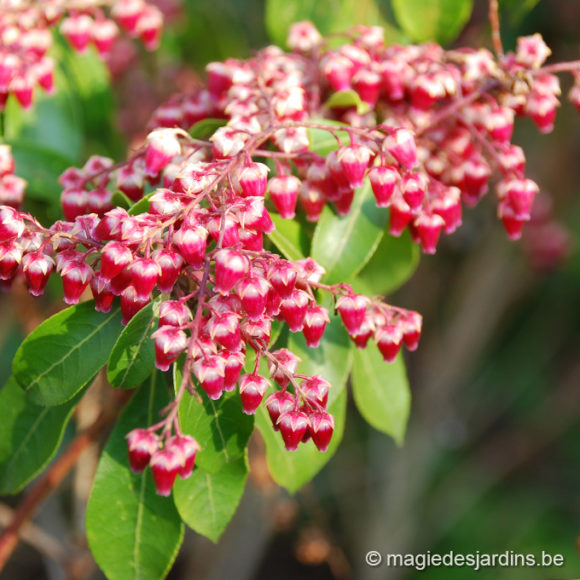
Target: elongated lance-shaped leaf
<point>220,427</point>
<point>290,238</point>
<point>327,15</point>
<point>440,20</point>
<point>132,531</point>
<point>343,245</point>
<point>61,355</point>
<point>132,359</point>
<point>392,264</point>
<point>208,501</point>
<point>332,360</point>
<point>381,391</point>
<point>29,435</point>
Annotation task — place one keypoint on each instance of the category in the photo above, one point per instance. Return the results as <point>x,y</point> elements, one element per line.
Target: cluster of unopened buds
<point>26,37</point>
<point>428,131</point>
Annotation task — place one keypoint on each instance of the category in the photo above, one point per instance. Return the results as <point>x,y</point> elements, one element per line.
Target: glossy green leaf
<point>327,15</point>
<point>132,531</point>
<point>323,141</point>
<point>439,20</point>
<point>343,245</point>
<point>220,427</point>
<point>289,237</point>
<point>62,354</point>
<point>54,122</point>
<point>88,78</point>
<point>29,435</point>
<point>206,128</point>
<point>392,264</point>
<point>332,360</point>
<point>142,206</point>
<point>121,200</point>
<point>208,501</point>
<point>132,359</point>
<point>516,10</point>
<point>348,98</point>
<point>293,469</point>
<point>41,167</point>
<point>381,391</point>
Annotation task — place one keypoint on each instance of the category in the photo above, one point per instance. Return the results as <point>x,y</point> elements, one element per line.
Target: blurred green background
<point>491,459</point>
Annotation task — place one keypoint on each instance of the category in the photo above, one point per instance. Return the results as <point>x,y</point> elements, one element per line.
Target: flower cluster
<point>448,116</point>
<point>425,128</point>
<point>26,37</point>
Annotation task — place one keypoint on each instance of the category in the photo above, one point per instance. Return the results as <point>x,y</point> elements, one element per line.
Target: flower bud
<point>144,275</point>
<point>389,339</point>
<point>352,310</point>
<point>383,182</point>
<point>162,146</point>
<point>287,365</point>
<point>114,257</point>
<point>37,268</point>
<point>76,276</point>
<point>11,224</point>
<point>142,445</point>
<point>210,372</point>
<point>283,192</point>
<point>253,292</point>
<point>278,403</point>
<point>321,428</point>
<point>401,145</point>
<point>252,179</point>
<point>315,391</point>
<point>252,390</point>
<point>354,160</point>
<point>189,447</point>
<point>293,425</point>
<point>230,266</point>
<point>166,464</point>
<point>315,321</point>
<point>293,309</point>
<point>170,342</point>
<point>233,368</point>
<point>192,243</point>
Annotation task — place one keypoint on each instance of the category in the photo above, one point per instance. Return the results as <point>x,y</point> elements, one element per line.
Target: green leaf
<point>392,264</point>
<point>381,391</point>
<point>89,79</point>
<point>516,10</point>
<point>132,531</point>
<point>208,501</point>
<point>142,206</point>
<point>439,20</point>
<point>220,427</point>
<point>206,128</point>
<point>132,359</point>
<point>41,167</point>
<point>293,469</point>
<point>62,354</point>
<point>54,122</point>
<point>29,435</point>
<point>332,360</point>
<point>343,245</point>
<point>327,15</point>
<point>348,98</point>
<point>322,141</point>
<point>289,237</point>
<point>121,200</point>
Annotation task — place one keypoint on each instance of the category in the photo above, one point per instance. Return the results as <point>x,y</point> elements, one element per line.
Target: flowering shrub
<point>243,249</point>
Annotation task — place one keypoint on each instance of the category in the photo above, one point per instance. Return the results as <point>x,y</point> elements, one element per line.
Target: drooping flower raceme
<point>429,129</point>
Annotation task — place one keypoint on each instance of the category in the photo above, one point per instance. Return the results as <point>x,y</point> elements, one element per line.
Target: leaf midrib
<point>70,352</point>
